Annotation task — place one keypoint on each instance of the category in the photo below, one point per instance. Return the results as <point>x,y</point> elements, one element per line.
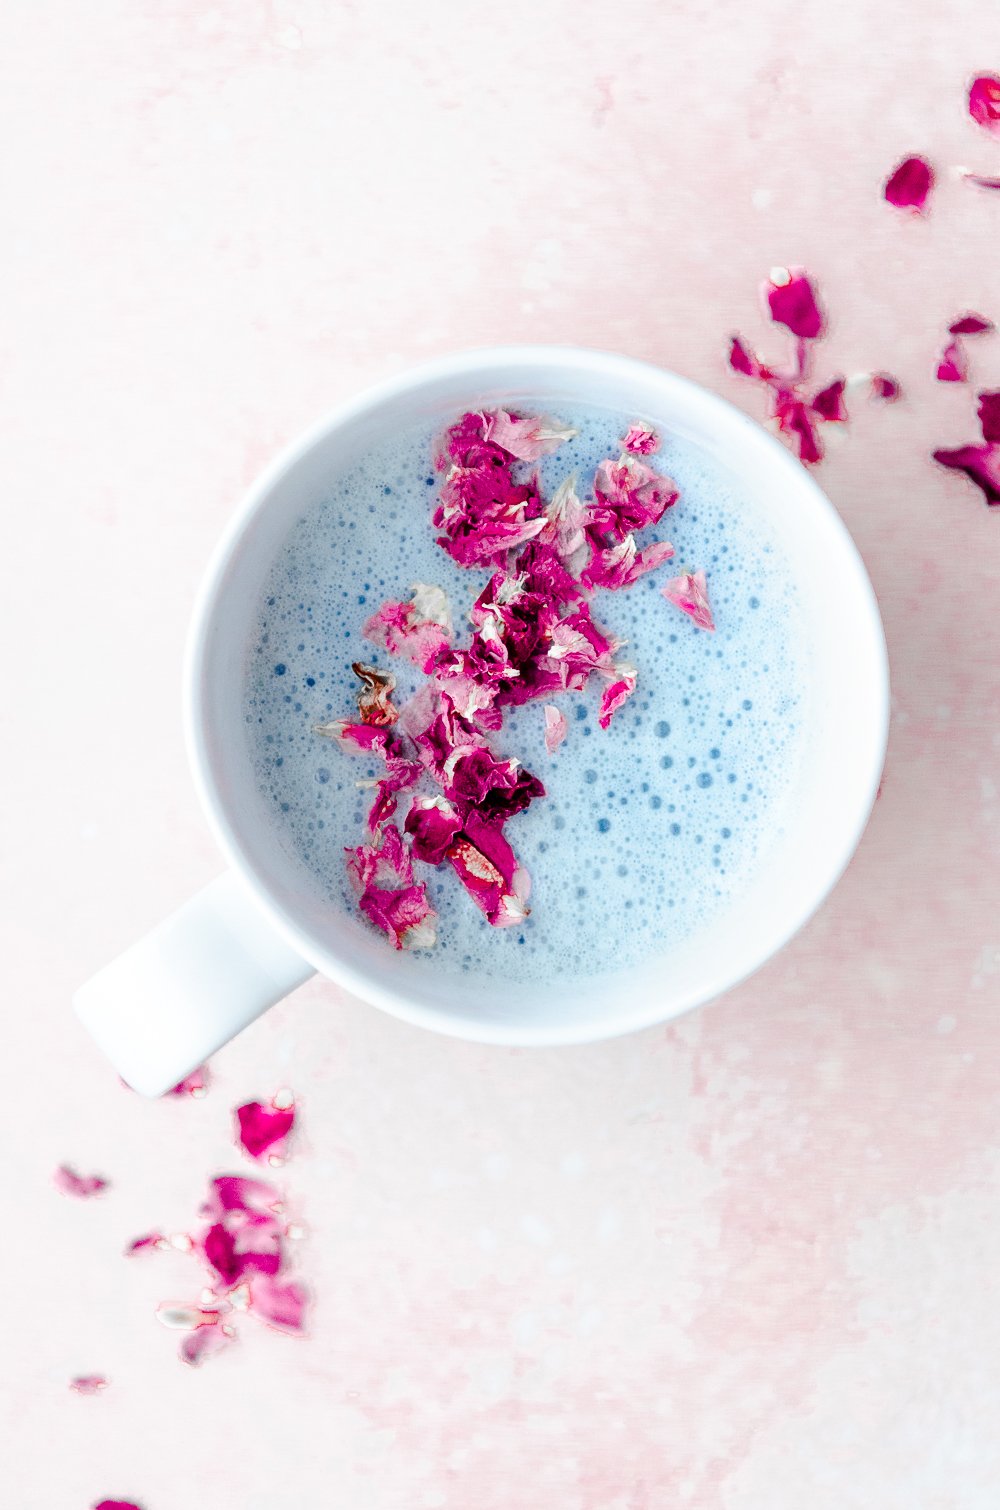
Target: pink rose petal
<point>622,564</point>
<point>280,1303</point>
<point>88,1384</point>
<point>260,1127</point>
<point>432,824</point>
<point>970,325</point>
<point>68,1182</point>
<point>884,388</point>
<point>375,695</point>
<point>982,180</point>
<point>617,692</point>
<point>984,101</point>
<point>420,629</point>
<point>640,439</point>
<point>829,402</point>
<point>117,1505</point>
<point>689,593</point>
<point>910,184</point>
<point>146,1243</point>
<point>491,873</point>
<point>196,1084</point>
<point>952,366</point>
<point>527,439</point>
<point>989,414</point>
<point>792,301</point>
<point>203,1342</point>
<point>555,728</point>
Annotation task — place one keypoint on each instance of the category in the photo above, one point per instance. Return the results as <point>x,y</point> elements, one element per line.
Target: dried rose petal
<point>829,402</point>
<point>196,1084</point>
<point>884,388</point>
<point>357,739</point>
<point>88,1384</point>
<point>146,1243</point>
<point>910,184</point>
<point>375,696</point>
<point>432,823</point>
<point>970,325</point>
<point>622,564</point>
<point>68,1182</point>
<point>389,898</point>
<point>952,366</point>
<point>527,439</point>
<point>989,414</point>
<point>203,1342</point>
<point>234,1192</point>
<point>795,418</point>
<point>279,1303</point>
<point>260,1127</point>
<point>567,518</point>
<point>984,101</point>
<point>792,301</point>
<point>982,180</point>
<point>742,359</point>
<point>618,691</point>
<point>117,1505</point>
<point>491,873</point>
<point>629,495</point>
<point>640,439</point>
<point>555,728</point>
<point>981,464</point>
<point>689,593</point>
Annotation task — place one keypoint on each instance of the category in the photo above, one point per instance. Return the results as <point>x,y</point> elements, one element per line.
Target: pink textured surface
<point>751,1262</point>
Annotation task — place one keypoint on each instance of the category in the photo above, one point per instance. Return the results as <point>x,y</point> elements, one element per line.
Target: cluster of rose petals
<point>83,1187</point>
<point>791,300</point>
<point>263,1128</point>
<point>909,185</point>
<point>980,462</point>
<point>533,636</point>
<point>241,1241</point>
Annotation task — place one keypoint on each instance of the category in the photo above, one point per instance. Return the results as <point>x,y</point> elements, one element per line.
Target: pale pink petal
<point>203,1342</point>
<point>982,180</point>
<point>280,1303</point>
<point>984,101</point>
<point>527,439</point>
<point>689,593</point>
<point>909,185</point>
<point>640,439</point>
<point>555,727</point>
<point>260,1127</point>
<point>146,1243</point>
<point>68,1182</point>
<point>88,1384</point>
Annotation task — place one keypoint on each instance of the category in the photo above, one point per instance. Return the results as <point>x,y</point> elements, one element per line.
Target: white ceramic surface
<point>176,996</point>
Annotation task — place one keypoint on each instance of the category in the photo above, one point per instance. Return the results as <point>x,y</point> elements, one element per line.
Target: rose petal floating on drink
<point>555,727</point>
<point>375,696</point>
<point>689,593</point>
<point>195,1085</point>
<point>640,439</point>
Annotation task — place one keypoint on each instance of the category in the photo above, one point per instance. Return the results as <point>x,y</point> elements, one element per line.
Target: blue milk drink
<point>650,827</point>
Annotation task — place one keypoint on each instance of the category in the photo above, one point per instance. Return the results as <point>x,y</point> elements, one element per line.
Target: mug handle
<point>160,1009</point>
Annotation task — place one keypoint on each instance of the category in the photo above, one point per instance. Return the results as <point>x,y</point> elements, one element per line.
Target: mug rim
<point>476,363</point>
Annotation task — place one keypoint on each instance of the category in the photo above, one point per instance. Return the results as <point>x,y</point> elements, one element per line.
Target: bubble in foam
<point>734,700</point>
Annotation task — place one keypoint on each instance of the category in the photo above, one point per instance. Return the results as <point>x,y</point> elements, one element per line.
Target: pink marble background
<point>747,1262</point>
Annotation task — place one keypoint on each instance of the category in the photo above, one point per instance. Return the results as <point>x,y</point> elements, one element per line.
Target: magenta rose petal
<point>83,1187</point>
<point>970,325</point>
<point>556,727</point>
<point>196,1084</point>
<point>260,1127</point>
<point>88,1384</point>
<point>618,691</point>
<point>432,824</point>
<point>909,185</point>
<point>791,300</point>
<point>984,102</point>
<point>829,402</point>
<point>982,180</point>
<point>117,1505</point>
<point>981,464</point>
<point>526,439</point>
<point>952,365</point>
<point>146,1243</point>
<point>689,593</point>
<point>884,388</point>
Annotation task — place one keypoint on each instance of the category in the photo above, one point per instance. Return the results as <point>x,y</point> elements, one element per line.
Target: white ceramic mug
<point>257,932</point>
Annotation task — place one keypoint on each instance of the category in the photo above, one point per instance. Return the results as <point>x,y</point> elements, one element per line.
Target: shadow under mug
<point>253,935</point>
